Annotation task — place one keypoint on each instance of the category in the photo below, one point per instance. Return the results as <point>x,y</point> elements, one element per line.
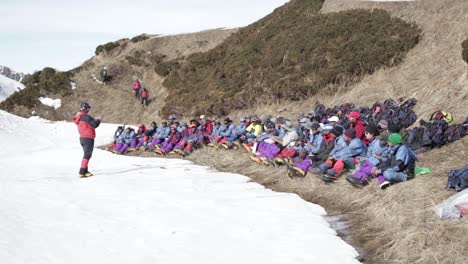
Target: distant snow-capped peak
<point>7,72</point>
<point>8,87</point>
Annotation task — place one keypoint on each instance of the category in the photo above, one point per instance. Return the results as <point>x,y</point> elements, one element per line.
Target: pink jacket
<point>136,85</point>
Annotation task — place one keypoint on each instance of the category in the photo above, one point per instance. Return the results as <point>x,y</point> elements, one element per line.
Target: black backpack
<point>454,132</point>
<point>458,179</point>
<point>436,132</point>
<point>417,138</point>
<point>407,117</point>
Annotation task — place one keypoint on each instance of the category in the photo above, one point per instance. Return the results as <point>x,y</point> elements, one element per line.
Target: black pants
<point>137,93</point>
<point>88,146</point>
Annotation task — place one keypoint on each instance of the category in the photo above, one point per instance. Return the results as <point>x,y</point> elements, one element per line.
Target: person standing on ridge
<point>86,127</point>
<point>104,74</point>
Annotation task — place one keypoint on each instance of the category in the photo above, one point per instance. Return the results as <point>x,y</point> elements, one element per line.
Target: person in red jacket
<point>86,128</point>
<point>356,123</point>
<point>144,98</point>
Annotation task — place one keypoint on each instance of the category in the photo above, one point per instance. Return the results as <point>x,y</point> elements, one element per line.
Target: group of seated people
<point>318,144</point>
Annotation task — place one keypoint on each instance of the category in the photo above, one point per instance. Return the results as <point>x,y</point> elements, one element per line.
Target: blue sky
<point>63,34</point>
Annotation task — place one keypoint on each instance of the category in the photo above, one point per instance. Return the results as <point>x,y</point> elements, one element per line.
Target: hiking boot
<point>299,172</point>
<point>247,147</point>
<point>130,149</point>
<point>384,185</point>
<point>236,143</point>
<point>331,172</point>
<point>266,162</point>
<point>327,178</point>
<point>315,170</point>
<point>225,146</point>
<point>279,161</point>
<point>179,151</point>
<point>86,174</point>
<point>256,159</point>
<point>142,148</point>
<point>271,161</point>
<point>355,182</point>
<point>211,144</point>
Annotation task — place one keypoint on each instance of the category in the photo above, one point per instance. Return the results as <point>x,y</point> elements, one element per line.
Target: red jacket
<point>360,131</point>
<point>86,125</point>
<point>207,128</point>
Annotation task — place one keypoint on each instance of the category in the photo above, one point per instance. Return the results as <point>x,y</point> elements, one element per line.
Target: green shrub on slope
<point>290,54</point>
<point>41,83</point>
<point>465,50</point>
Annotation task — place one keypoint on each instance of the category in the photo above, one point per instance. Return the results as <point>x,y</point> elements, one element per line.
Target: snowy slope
<point>8,87</point>
<point>143,210</point>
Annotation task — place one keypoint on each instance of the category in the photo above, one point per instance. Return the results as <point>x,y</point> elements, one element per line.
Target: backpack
<point>436,132</point>
<point>406,117</point>
<point>441,115</point>
<point>458,179</point>
<point>454,132</point>
<point>417,138</point>
<point>320,110</point>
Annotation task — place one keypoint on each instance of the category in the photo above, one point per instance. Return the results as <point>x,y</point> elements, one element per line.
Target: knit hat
<point>315,126</point>
<point>337,131</point>
<point>395,139</point>
<point>383,124</point>
<point>242,119</point>
<point>372,129</point>
<point>351,133</point>
<point>354,114</point>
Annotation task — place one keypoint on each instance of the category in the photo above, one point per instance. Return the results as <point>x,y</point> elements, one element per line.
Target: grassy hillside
<point>126,60</point>
<point>289,55</point>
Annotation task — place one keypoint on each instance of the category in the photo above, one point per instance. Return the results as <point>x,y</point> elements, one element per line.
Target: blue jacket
<point>162,132</point>
<point>340,144</point>
<point>126,137</point>
<point>240,129</point>
<point>402,159</point>
<point>218,130</point>
<point>353,149</point>
<point>316,141</point>
<point>281,132</point>
<point>264,135</point>
<point>228,131</point>
<point>377,148</point>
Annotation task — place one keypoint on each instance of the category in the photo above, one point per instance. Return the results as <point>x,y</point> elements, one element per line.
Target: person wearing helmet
<point>87,130</point>
<point>104,75</point>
